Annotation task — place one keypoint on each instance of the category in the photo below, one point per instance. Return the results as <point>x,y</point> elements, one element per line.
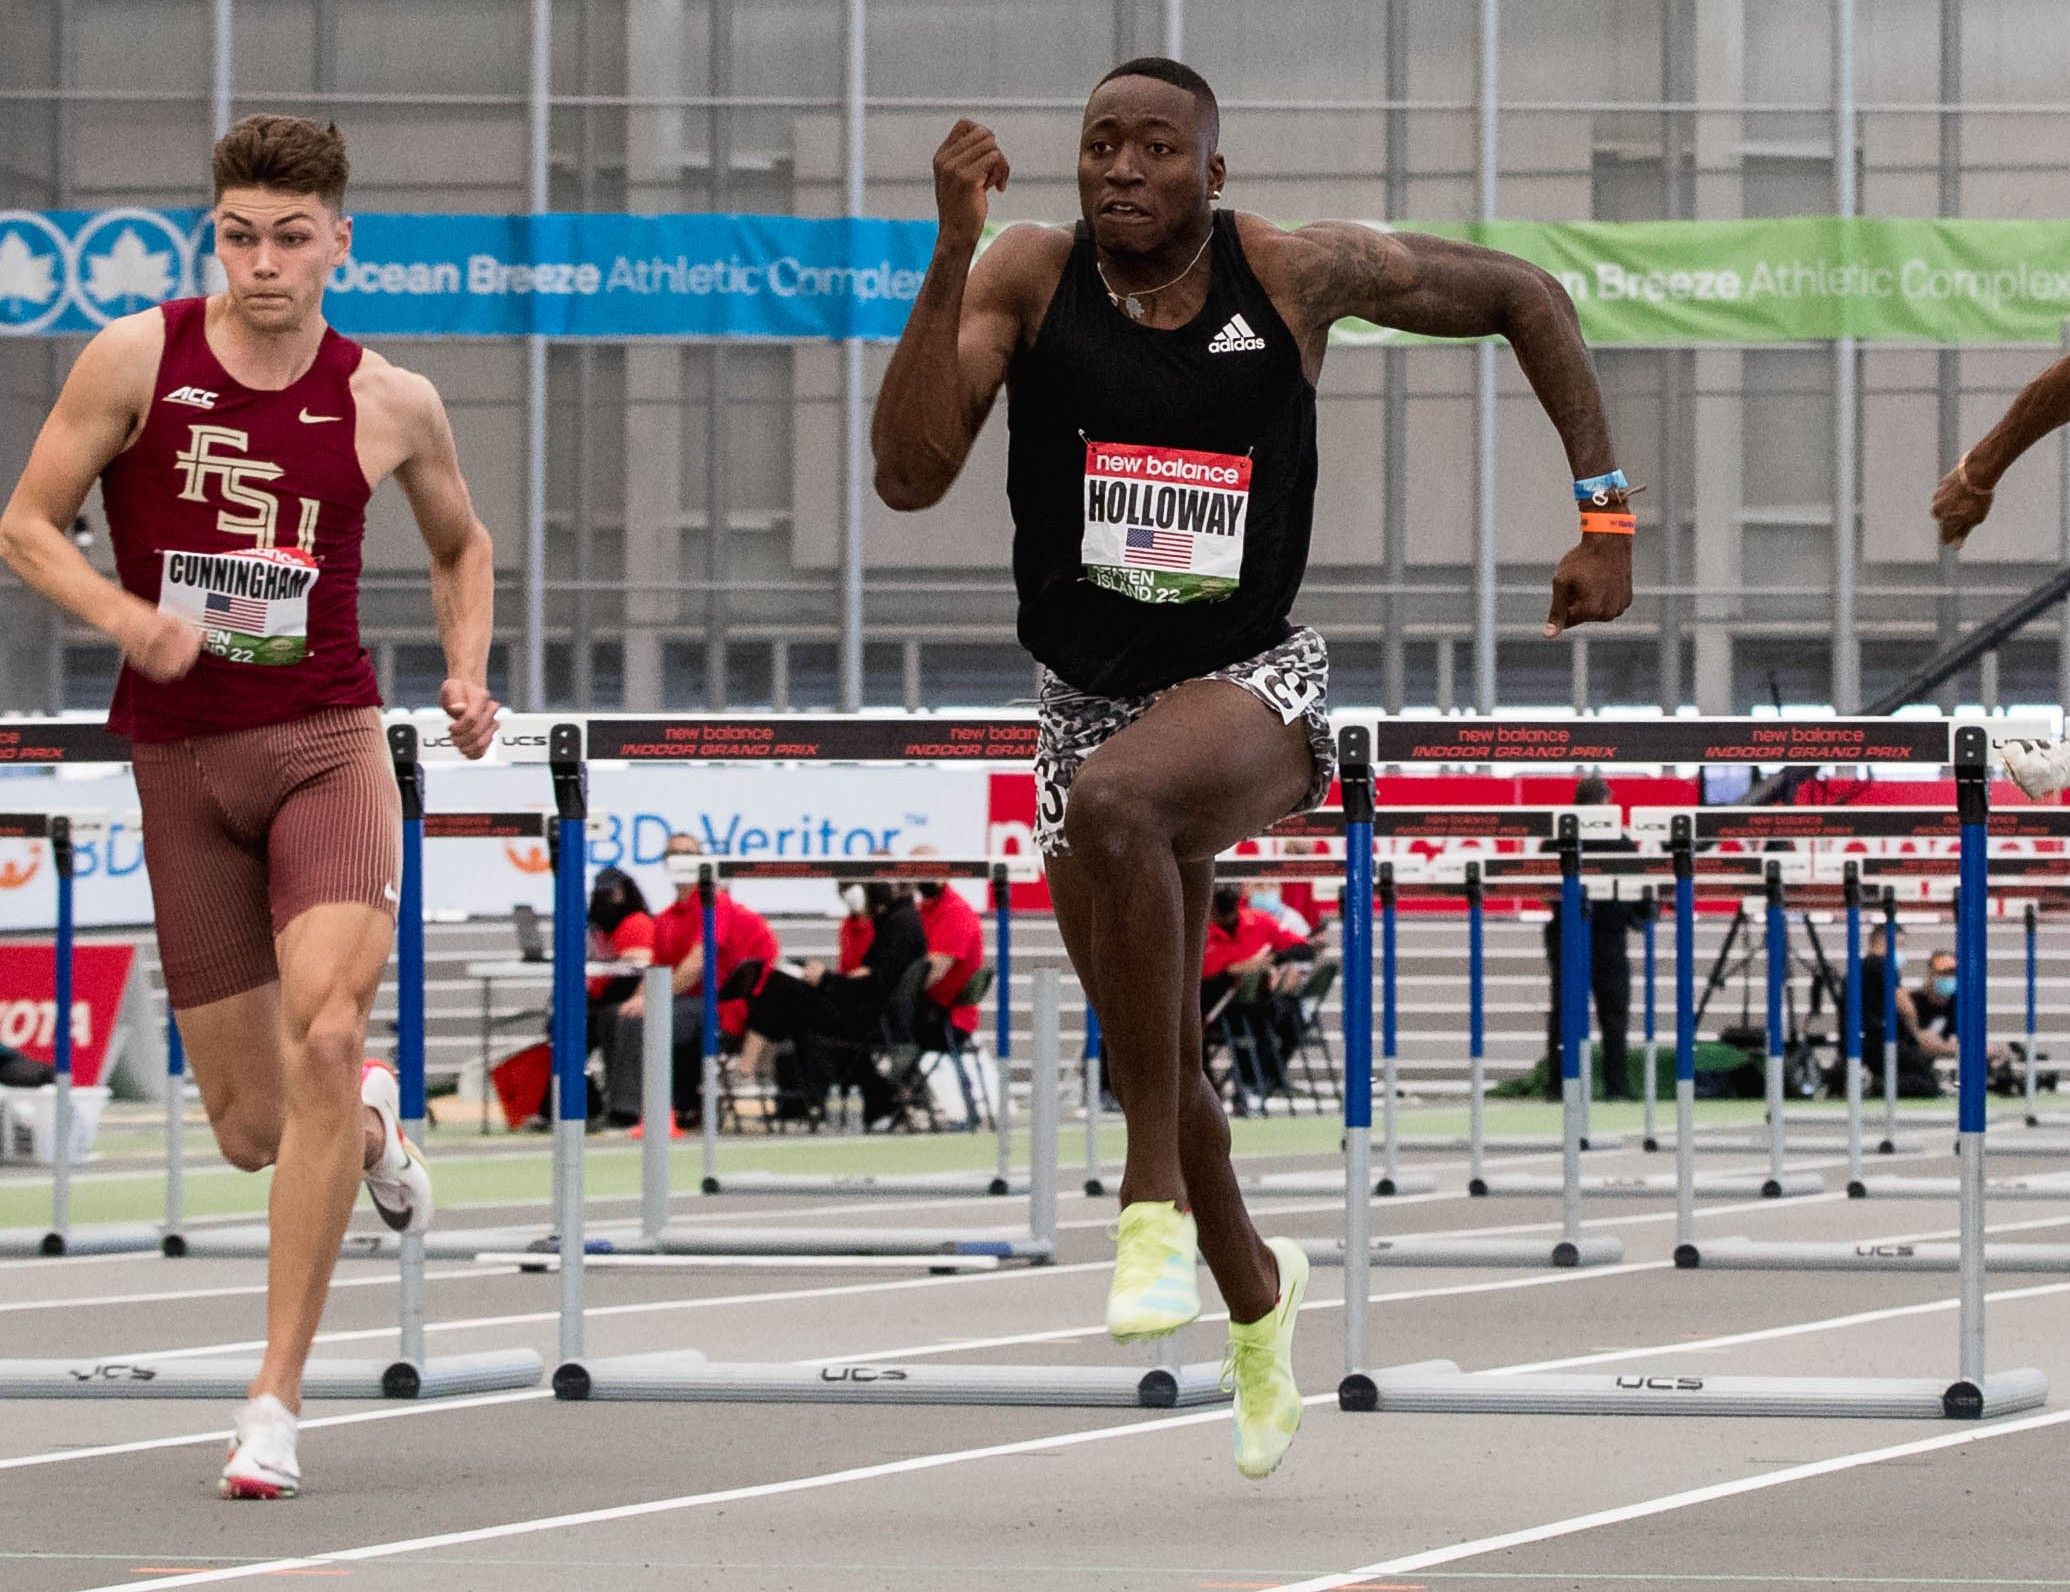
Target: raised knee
<point>1107,815</point>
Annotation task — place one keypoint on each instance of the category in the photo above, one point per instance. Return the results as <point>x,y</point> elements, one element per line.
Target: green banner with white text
<point>1791,279</point>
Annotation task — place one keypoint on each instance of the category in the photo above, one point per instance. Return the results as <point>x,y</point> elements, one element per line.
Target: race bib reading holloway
<point>251,607</point>
<point>1164,525</point>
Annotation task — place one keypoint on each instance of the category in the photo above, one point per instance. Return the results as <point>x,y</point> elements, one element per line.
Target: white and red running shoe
<point>397,1183</point>
<point>262,1461</point>
<point>2040,768</point>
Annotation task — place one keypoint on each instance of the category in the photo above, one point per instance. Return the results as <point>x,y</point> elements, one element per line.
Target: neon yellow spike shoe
<point>1259,1370</point>
<point>1156,1288</point>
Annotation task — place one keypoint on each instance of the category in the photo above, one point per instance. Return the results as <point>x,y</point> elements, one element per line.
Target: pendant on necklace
<point>1134,306</point>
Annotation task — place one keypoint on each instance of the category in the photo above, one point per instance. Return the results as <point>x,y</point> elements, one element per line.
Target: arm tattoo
<point>1436,287</point>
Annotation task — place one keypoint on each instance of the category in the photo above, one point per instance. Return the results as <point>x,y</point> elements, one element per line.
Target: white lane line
<point>1157,1425</point>
<point>1792,1330</point>
<point>1666,1504</point>
<point>243,1290</point>
<point>307,1424</point>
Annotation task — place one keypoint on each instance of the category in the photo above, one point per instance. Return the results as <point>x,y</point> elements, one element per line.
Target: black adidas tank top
<point>1162,482</point>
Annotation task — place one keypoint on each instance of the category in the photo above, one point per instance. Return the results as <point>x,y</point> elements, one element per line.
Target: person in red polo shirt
<point>743,936</point>
<point>1242,940</point>
<point>955,951</point>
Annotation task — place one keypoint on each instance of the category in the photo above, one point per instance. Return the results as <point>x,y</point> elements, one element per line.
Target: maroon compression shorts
<point>244,832</point>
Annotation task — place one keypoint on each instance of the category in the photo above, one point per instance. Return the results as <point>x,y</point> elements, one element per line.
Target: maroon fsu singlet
<point>243,511</point>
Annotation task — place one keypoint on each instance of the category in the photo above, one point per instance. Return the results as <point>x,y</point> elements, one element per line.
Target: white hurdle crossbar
<point>1975,1392</point>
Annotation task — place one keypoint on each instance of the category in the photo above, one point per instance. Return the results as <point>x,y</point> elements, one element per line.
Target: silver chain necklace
<point>1133,302</point>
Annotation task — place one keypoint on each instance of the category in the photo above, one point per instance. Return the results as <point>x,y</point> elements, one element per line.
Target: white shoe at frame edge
<point>398,1183</point>
<point>2040,768</point>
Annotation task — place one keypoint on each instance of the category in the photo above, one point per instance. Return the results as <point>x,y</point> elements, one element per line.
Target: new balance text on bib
<point>1164,525</point>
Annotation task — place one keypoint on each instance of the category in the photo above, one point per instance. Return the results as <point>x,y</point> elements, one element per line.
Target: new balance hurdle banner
<point>596,274</point>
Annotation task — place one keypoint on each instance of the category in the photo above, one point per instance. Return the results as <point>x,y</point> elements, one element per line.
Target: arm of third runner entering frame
<point>1963,497</point>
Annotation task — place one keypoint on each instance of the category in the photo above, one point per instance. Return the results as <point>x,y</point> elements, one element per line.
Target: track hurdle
<point>686,1375</point>
<point>999,874</point>
<point>1975,1393</point>
<point>412,1373</point>
<point>780,738</point>
<point>1688,874</point>
<point>62,833</point>
<point>1358,1252</point>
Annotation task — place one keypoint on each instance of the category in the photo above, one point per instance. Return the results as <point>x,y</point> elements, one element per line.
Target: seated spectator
<point>955,951</point>
<point>621,929</point>
<point>833,1018</point>
<point>1242,941</point>
<point>742,936</point>
<point>1312,898</point>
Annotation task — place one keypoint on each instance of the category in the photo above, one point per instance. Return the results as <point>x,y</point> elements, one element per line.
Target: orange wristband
<point>1596,523</point>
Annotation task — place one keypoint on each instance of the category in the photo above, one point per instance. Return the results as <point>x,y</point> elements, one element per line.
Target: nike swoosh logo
<point>317,420</point>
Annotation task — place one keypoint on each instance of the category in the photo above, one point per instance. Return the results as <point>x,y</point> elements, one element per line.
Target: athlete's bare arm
<point>98,414</point>
<point>1963,497</point>
<point>965,328</point>
<point>1328,270</point>
<point>403,429</point>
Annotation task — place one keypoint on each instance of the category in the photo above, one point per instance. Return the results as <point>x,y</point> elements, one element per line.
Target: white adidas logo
<point>1235,337</point>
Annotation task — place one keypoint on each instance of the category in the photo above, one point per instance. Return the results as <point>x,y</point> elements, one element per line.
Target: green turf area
<point>475,1171</point>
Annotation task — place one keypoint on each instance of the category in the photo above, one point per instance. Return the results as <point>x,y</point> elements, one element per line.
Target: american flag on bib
<point>1158,549</point>
<point>247,615</point>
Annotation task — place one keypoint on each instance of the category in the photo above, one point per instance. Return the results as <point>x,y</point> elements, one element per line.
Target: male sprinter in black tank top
<point>1160,359</point>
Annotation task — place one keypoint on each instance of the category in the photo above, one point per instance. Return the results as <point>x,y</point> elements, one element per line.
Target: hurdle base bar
<point>2011,1146</point>
<point>1384,1187</point>
<point>1467,1253</point>
<point>1512,1143</point>
<point>1005,1244</point>
<point>43,1244</point>
<point>1746,1254</point>
<point>1707,1185</point>
<point>163,1378</point>
<point>2055,1186</point>
<point>949,1185</point>
<point>688,1376</point>
<point>632,1257</point>
<point>1446,1390</point>
<point>251,1242</point>
<point>1803,1144</point>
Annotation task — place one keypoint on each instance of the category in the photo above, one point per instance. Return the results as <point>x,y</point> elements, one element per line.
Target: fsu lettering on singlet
<point>1162,481</point>
<point>244,512</point>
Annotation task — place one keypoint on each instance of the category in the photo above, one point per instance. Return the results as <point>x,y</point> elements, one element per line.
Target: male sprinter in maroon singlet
<point>1160,359</point>
<point>237,439</point>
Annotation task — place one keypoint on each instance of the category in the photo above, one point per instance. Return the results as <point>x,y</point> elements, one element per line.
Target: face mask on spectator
<point>855,898</point>
<point>1944,985</point>
<point>682,866</point>
<point>1266,901</point>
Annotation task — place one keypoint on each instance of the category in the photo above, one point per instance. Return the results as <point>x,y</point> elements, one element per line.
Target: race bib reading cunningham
<point>1164,525</point>
<point>251,607</point>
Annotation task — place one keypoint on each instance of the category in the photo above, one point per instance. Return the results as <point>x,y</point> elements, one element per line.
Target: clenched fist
<point>1593,583</point>
<point>473,712</point>
<point>161,646</point>
<point>968,164</point>
<point>1958,506</point>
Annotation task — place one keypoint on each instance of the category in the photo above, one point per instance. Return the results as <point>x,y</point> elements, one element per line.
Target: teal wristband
<point>1599,486</point>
